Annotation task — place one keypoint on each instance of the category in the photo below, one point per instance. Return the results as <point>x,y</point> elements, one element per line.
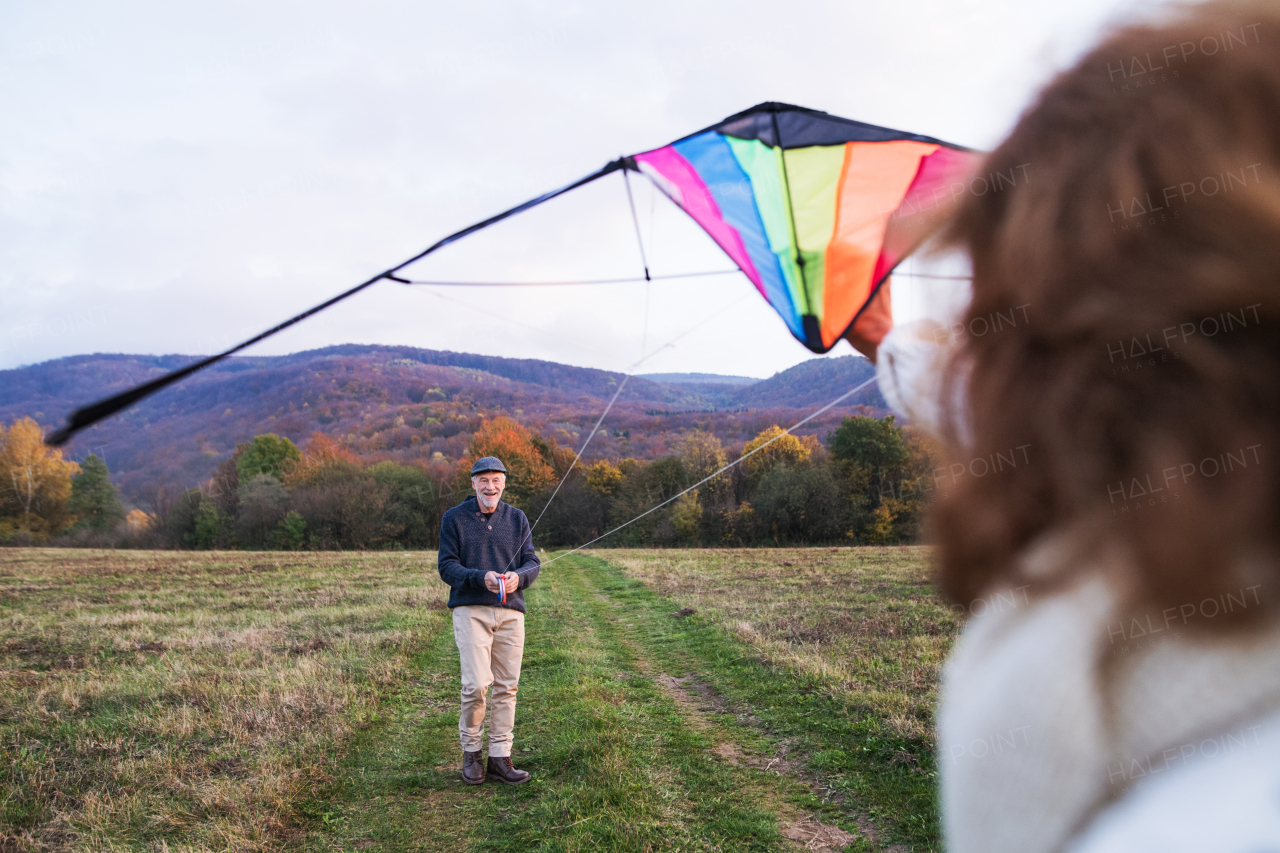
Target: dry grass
<point>863,621</point>
<point>186,702</point>
<point>259,701</point>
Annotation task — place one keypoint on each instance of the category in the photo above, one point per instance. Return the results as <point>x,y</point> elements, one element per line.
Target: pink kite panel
<point>696,200</point>
<point>939,183</point>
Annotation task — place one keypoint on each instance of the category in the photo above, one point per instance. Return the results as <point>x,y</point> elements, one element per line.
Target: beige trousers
<point>490,644</point>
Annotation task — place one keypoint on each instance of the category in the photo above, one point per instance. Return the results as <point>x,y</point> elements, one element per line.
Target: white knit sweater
<point>1065,723</point>
<point>1056,711</point>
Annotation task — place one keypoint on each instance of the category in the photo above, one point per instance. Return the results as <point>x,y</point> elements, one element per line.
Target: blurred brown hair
<point>1107,259</point>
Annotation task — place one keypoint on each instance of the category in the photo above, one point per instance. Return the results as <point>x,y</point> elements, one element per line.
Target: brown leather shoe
<point>504,771</point>
<point>472,768</point>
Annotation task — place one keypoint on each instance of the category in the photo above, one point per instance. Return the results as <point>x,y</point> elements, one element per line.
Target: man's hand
<point>492,581</point>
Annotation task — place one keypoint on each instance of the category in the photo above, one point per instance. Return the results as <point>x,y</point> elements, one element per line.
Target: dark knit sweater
<point>471,546</point>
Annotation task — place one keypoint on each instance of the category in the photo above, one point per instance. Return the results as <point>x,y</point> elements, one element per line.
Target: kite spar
<point>816,210</point>
<point>91,414</point>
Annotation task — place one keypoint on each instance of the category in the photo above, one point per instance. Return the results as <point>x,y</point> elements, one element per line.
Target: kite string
<point>594,430</point>
<point>644,330</point>
<point>626,378</point>
<point>547,505</point>
<point>712,476</point>
<point>689,331</point>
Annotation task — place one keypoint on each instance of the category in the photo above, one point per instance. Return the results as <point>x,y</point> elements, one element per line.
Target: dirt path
<point>706,711</point>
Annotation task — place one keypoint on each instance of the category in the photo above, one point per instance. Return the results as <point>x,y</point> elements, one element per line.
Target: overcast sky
<point>174,178</point>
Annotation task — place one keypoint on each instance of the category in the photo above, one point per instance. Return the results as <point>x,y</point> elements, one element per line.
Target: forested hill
<point>815,382</point>
<point>401,403</point>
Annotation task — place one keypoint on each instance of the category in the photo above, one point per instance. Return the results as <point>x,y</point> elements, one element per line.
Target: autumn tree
<point>266,454</point>
<point>873,459</point>
<point>263,505</point>
<point>346,510</point>
<point>415,504</point>
<point>686,517</point>
<point>140,520</point>
<point>701,454</point>
<point>35,482</point>
<point>800,505</point>
<point>910,495</point>
<point>876,444</point>
<point>604,478</point>
<point>561,459</point>
<point>779,448</point>
<point>320,456</point>
<point>528,471</point>
<point>177,528</point>
<point>644,486</point>
<point>223,504</point>
<point>94,501</point>
<point>337,503</point>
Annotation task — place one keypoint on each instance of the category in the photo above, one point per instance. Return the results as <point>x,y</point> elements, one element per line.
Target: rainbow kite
<point>801,201</point>
<point>815,209</point>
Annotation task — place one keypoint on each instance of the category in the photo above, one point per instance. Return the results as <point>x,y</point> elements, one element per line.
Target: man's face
<point>489,486</point>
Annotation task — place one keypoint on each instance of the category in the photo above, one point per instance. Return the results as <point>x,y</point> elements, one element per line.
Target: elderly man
<point>487,558</point>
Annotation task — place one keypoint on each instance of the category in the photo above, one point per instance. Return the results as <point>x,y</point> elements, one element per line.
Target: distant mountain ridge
<point>700,378</point>
<point>403,403</point>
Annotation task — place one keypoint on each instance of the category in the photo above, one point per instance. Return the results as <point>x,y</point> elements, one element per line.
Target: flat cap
<point>488,463</point>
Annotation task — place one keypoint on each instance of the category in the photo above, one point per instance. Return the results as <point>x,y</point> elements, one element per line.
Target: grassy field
<point>671,700</point>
